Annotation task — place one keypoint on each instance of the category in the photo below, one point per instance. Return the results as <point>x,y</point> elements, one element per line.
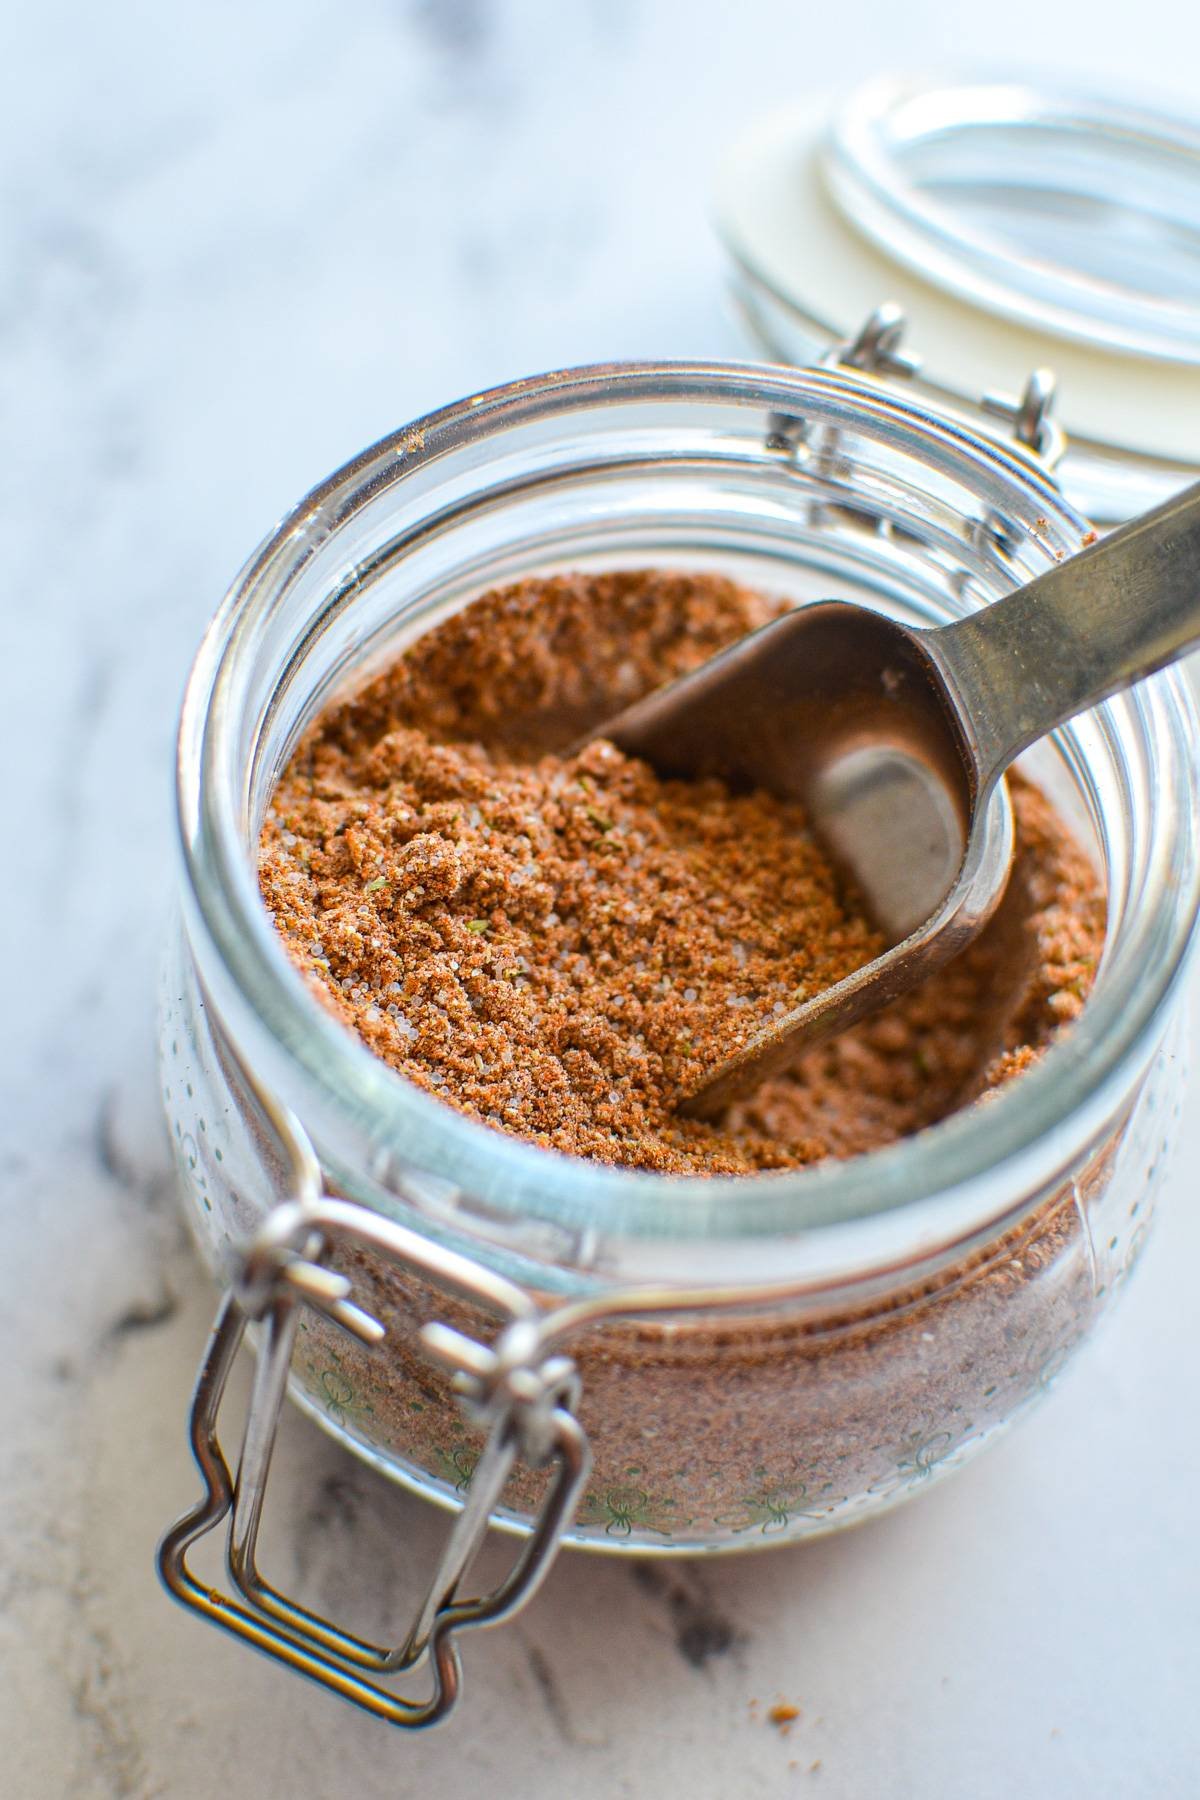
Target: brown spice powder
<point>552,943</point>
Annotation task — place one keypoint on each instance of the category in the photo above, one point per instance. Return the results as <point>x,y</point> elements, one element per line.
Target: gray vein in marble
<point>462,29</point>
<point>701,1632</point>
<point>548,1691</point>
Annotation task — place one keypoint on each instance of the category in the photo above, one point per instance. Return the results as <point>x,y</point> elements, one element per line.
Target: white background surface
<point>240,241</point>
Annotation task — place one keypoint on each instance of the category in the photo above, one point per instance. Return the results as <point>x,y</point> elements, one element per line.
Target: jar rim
<point>922,1181</point>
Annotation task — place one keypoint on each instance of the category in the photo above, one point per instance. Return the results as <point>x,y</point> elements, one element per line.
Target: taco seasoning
<point>546,941</point>
<point>550,942</point>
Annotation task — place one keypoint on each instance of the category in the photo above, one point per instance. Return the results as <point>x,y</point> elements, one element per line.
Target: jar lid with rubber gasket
<point>1012,251</point>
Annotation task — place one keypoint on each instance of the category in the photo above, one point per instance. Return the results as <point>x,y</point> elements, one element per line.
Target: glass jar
<point>759,1359</point>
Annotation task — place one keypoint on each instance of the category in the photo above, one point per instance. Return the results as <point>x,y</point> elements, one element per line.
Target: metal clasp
<point>516,1390</point>
<point>1030,415</point>
<point>875,347</point>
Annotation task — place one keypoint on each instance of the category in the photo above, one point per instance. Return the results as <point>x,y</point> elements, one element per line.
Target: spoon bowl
<point>895,740</point>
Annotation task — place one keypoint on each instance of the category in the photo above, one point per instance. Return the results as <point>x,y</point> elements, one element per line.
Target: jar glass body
<point>934,1289</point>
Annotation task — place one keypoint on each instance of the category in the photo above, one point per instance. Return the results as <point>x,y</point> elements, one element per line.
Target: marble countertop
<point>238,244</point>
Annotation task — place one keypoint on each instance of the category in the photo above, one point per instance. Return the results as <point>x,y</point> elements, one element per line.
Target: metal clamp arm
<point>517,1390</point>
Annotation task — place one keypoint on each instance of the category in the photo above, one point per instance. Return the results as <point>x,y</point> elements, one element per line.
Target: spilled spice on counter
<point>550,941</point>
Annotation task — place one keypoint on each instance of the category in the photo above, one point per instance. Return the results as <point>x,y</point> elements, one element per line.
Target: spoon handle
<point>1084,630</point>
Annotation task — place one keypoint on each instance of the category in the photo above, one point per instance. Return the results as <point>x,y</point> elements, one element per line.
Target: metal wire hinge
<point>516,1390</point>
<point>877,348</point>
<point>1030,414</point>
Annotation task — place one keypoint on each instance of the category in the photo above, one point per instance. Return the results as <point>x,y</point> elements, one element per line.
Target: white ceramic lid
<point>1016,229</point>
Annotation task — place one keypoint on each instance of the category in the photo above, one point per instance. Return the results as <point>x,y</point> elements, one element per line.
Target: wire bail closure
<point>516,1390</point>
<point>877,350</point>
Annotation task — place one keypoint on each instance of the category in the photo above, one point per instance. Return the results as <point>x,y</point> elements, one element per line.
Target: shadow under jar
<point>840,1335</point>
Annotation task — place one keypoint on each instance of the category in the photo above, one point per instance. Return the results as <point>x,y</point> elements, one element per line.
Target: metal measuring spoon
<point>895,740</point>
